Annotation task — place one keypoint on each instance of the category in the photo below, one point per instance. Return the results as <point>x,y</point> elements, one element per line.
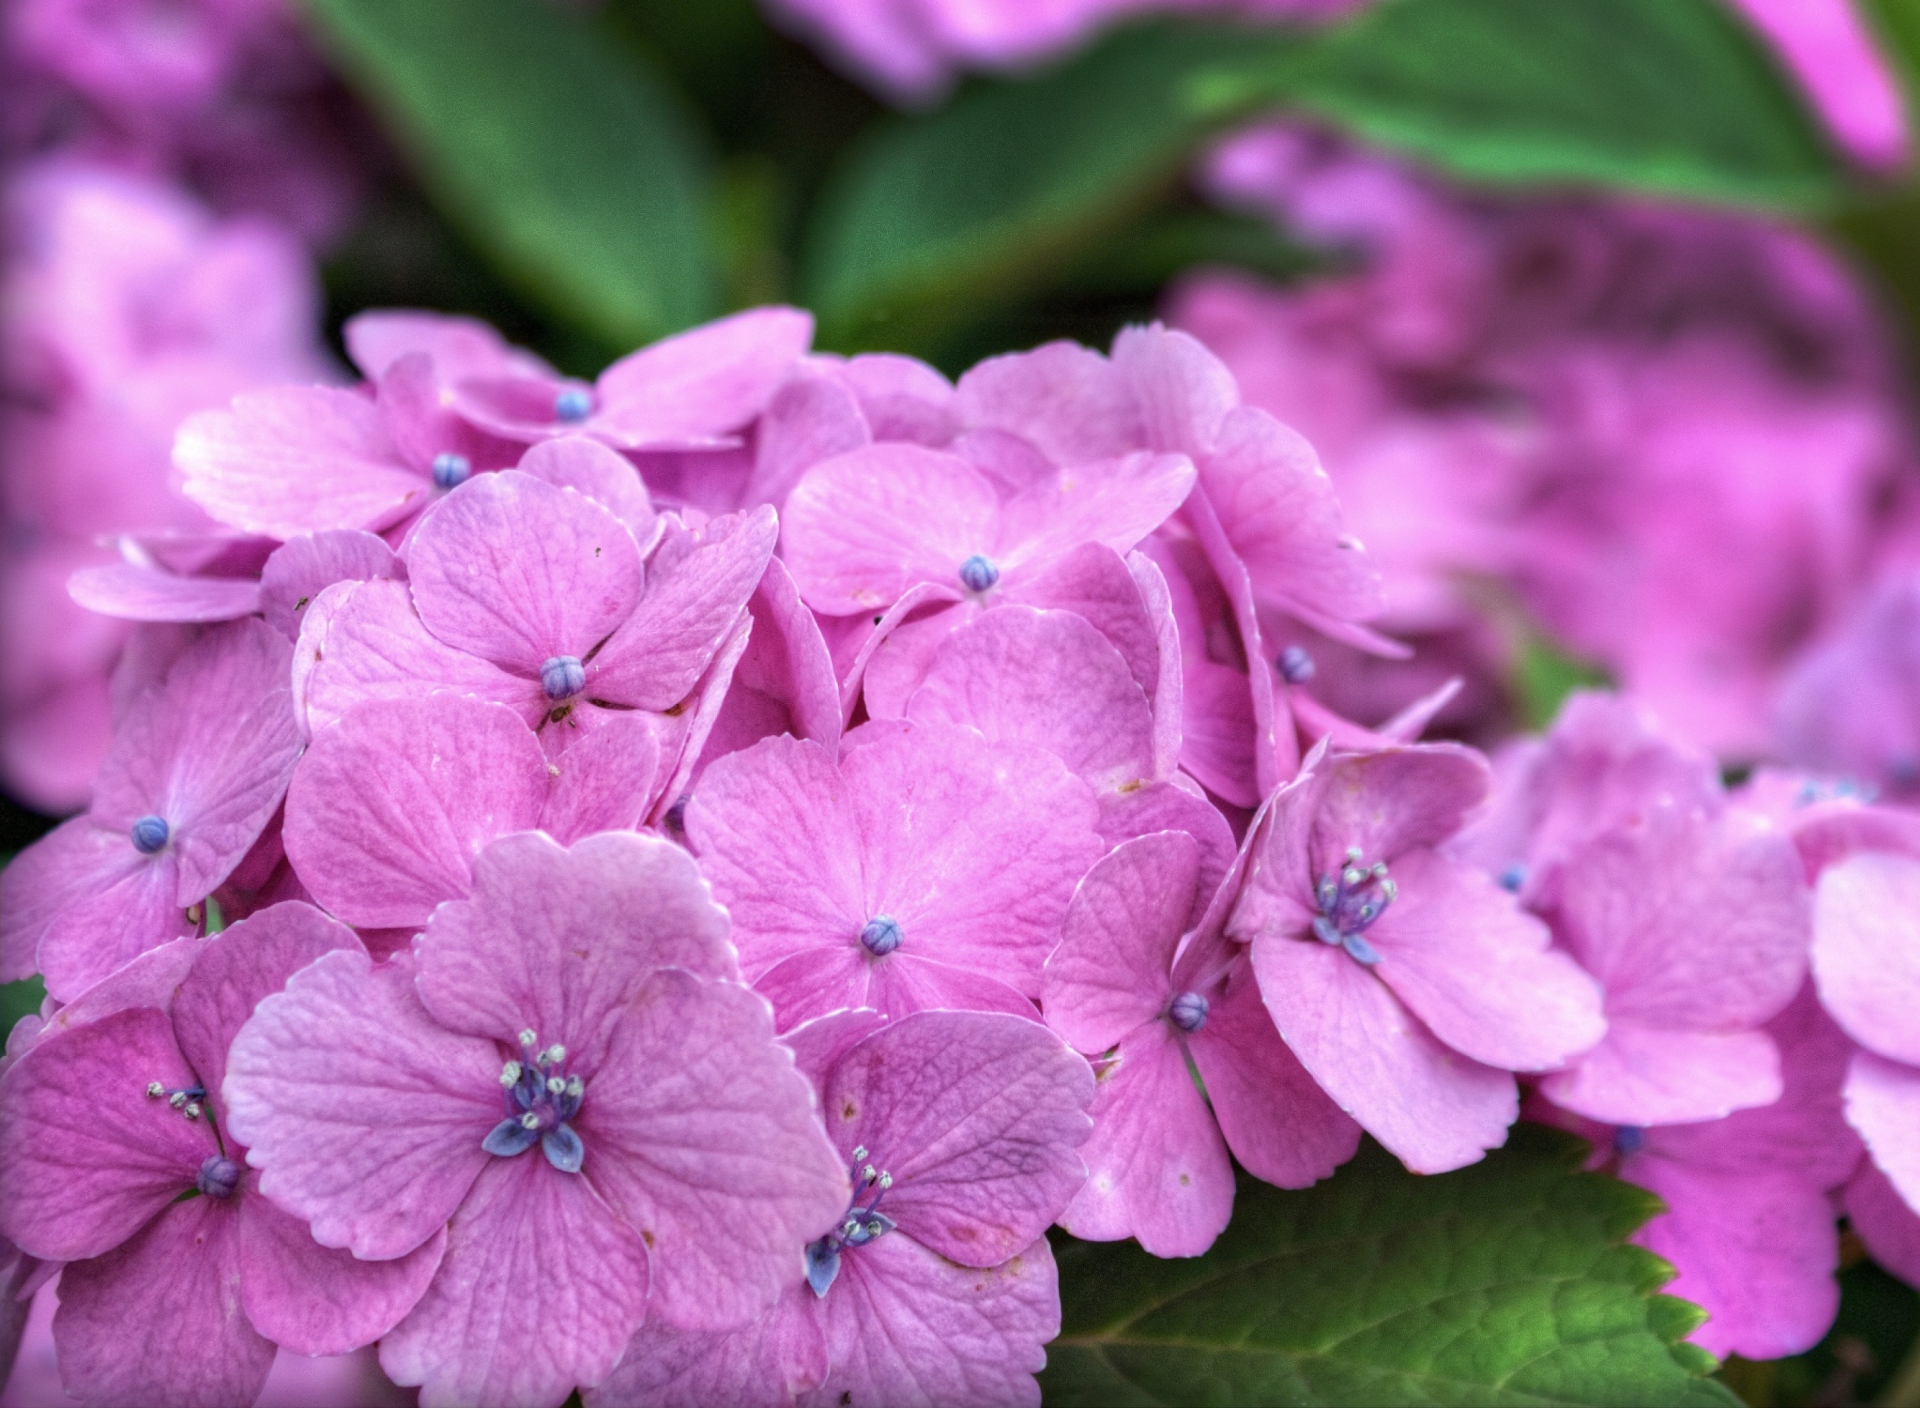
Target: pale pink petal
<point>541,1287</point>
<point>704,382</point>
<point>1114,502</point>
<point>311,1299</point>
<point>43,882</point>
<point>1157,1168</point>
<point>813,418</point>
<point>151,980</point>
<point>560,940</point>
<point>1757,1251</point>
<point>816,981</point>
<point>784,682</point>
<point>1866,950</point>
<point>1174,805</point>
<point>860,529</point>
<point>701,714</point>
<point>158,1320</point>
<point>1642,1075</point>
<point>133,592</point>
<point>297,460</point>
<point>1392,802</point>
<point>1281,1126</point>
<point>392,804</point>
<point>902,397</point>
<point>897,656</point>
<point>606,477</point>
<point>1064,399</point>
<point>1217,744</point>
<point>1885,1223</point>
<point>89,940</point>
<point>1883,1103</point>
<point>1183,391</point>
<point>977,1116</point>
<point>1435,1109</point>
<point>763,1366</point>
<point>906,983</point>
<point>343,1083</point>
<point>906,1328</point>
<point>90,1156</point>
<point>606,780</point>
<point>1111,970</point>
<point>1122,600</point>
<point>301,568</point>
<point>516,571</point>
<point>698,1122</point>
<point>460,347</point>
<point>697,587</point>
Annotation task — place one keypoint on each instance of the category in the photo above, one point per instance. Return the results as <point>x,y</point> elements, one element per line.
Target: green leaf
<point>1543,677</point>
<point>930,221</point>
<point>569,165</point>
<point>1670,96</point>
<point>19,1000</point>
<point>1504,1283</point>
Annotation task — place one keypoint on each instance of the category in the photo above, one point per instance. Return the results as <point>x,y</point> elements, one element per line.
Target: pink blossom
<point>1850,705</point>
<point>1373,950</point>
<point>198,770</point>
<point>923,868</point>
<point>563,1083</point>
<point>109,1126</point>
<point>1143,981</point>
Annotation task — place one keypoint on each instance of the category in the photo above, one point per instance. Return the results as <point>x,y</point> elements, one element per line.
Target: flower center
<point>563,676</point>
<point>1188,1011</point>
<point>864,1221</point>
<point>450,471</point>
<point>541,1097</point>
<point>572,405</point>
<point>881,935</point>
<point>150,834</point>
<point>978,574</point>
<point>1350,902</point>
<point>187,1101</point>
<point>218,1177</point>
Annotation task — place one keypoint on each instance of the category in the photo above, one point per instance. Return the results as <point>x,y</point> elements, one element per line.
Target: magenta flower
<point>1374,952</point>
<point>1144,981</point>
<point>563,1079</point>
<point>198,770</point>
<point>111,1123</point>
<point>925,868</point>
<point>936,1285</point>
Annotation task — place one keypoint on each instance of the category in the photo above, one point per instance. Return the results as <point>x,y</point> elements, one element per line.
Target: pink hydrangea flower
<point>197,772</point>
<point>923,868</point>
<point>563,1081</point>
<point>112,1123</point>
<point>1373,953</point>
<point>1144,982</point>
<point>937,1284</point>
<point>1851,706</point>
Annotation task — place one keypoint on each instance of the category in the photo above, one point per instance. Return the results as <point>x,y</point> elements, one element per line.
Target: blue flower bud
<point>218,1177</point>
<point>450,471</point>
<point>563,676</point>
<point>1513,877</point>
<point>1188,1011</point>
<point>978,574</point>
<point>881,935</point>
<point>1296,666</point>
<point>150,834</point>
<point>1629,1139</point>
<point>572,405</point>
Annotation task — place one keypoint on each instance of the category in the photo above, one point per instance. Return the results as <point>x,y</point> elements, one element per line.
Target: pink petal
<point>818,981</point>
<point>701,714</point>
<point>862,528</point>
<point>606,477</point>
<point>41,885</point>
<point>1047,678</point>
<point>905,984</point>
<point>237,968</point>
<point>90,1156</point>
<point>1281,1126</point>
<point>1435,1109</point>
<point>560,940</point>
<point>697,587</point>
<point>343,1083</point>
<point>763,1366</point>
<point>135,593</point>
<point>1157,1169</point>
<point>813,418</point>
<point>977,1116</point>
<point>1111,971</point>
<point>298,459</point>
<point>1175,805</point>
<point>301,568</point>
<point>606,781</point>
<point>1481,972</point>
<point>460,347</point>
<point>1388,803</point>
<point>151,980</point>
<point>902,397</point>
<point>366,643</point>
<point>784,682</point>
<point>1643,1075</point>
<point>392,804</point>
<point>97,933</point>
<point>1064,399</point>
<point>1217,727</point>
<point>1112,502</point>
<point>906,1326</point>
<point>1095,582</point>
<point>1183,391</point>
<point>1883,1103</point>
<point>1890,1228</point>
<point>1758,1251</point>
<point>513,570</point>
<point>1866,951</point>
<point>158,1320</point>
<point>704,382</point>
<point>541,1287</point>
<point>698,1121</point>
<point>311,1299</point>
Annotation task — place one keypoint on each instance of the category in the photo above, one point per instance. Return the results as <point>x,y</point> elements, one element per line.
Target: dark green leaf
<point>19,1000</point>
<point>1670,96</point>
<point>932,220</point>
<point>567,164</point>
<point>1543,677</point>
<point>1504,1283</point>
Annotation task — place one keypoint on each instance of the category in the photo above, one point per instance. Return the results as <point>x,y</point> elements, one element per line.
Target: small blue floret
<point>881,935</point>
<point>1296,665</point>
<point>572,405</point>
<point>218,1177</point>
<point>978,574</point>
<point>150,834</point>
<point>563,676</point>
<point>1188,1011</point>
<point>1513,877</point>
<point>1629,1139</point>
<point>450,471</point>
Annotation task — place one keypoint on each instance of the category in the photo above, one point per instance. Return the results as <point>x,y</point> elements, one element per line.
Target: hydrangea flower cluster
<point>667,887</point>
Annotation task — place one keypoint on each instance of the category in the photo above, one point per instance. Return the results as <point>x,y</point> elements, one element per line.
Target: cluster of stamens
<point>187,1101</point>
<point>541,1097</point>
<point>864,1221</point>
<point>979,573</point>
<point>1350,902</point>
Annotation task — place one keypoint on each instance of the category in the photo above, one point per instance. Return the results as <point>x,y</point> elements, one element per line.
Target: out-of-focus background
<point>1600,313</point>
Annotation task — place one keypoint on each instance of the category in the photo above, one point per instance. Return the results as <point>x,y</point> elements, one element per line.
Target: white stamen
<point>553,1055</point>
<point>155,1090</point>
<point>556,1086</point>
<point>193,1109</point>
<point>527,1037</point>
<point>510,1073</point>
<point>530,1120</point>
<point>886,1180</point>
<point>859,1152</point>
